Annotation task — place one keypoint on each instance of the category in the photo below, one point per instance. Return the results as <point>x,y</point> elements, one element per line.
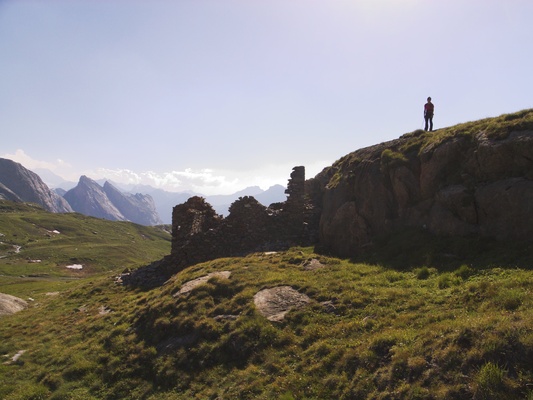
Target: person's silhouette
<point>428,114</point>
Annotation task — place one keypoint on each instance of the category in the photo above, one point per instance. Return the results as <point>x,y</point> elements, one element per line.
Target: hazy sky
<point>217,95</point>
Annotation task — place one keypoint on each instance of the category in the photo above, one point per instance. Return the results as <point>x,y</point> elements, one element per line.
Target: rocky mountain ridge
<point>20,184</point>
<point>107,202</point>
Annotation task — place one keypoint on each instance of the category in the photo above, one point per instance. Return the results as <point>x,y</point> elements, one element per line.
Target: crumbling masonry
<point>199,234</point>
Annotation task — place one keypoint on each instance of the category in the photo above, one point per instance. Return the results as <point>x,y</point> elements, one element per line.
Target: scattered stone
<point>15,358</point>
<point>313,264</point>
<point>329,307</point>
<point>190,285</point>
<point>275,303</point>
<point>103,310</point>
<point>11,304</point>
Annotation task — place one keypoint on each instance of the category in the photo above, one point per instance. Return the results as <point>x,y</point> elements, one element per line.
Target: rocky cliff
<point>139,208</point>
<point>107,202</point>
<point>471,179</point>
<point>89,198</point>
<point>20,184</point>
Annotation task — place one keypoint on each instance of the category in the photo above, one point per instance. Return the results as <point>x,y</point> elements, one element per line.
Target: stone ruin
<point>199,234</point>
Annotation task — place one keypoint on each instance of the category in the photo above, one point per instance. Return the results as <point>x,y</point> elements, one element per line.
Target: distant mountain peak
<point>28,187</point>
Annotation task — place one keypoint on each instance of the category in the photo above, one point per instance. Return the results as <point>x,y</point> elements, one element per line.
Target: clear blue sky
<point>217,95</point>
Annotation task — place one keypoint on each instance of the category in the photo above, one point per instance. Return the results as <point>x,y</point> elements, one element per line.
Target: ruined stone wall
<point>198,234</point>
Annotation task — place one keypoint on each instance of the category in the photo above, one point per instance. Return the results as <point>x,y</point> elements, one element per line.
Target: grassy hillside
<point>369,332</point>
<point>37,246</point>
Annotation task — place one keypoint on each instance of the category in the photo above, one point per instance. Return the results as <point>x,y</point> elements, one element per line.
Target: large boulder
<point>11,304</point>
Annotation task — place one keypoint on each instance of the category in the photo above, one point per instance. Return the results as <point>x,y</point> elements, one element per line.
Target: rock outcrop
<point>20,184</point>
<point>472,179</point>
<point>107,202</point>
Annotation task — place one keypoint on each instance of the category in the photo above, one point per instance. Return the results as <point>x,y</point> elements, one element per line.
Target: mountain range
<point>141,204</point>
<point>107,202</point>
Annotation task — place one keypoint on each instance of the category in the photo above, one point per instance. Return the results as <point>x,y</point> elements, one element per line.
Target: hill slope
<point>366,332</point>
<point>37,243</point>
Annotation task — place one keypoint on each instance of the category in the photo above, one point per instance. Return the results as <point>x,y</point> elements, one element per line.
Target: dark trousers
<point>429,118</point>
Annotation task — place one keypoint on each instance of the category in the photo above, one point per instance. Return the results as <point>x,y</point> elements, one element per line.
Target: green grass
<point>59,240</point>
<point>392,334</point>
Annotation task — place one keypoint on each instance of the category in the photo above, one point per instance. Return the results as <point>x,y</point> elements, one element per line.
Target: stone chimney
<point>193,217</point>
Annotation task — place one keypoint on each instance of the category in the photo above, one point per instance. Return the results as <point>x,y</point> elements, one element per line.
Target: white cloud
<point>22,158</point>
<point>205,181</point>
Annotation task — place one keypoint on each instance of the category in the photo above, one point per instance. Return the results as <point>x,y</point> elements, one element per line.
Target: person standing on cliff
<point>428,114</point>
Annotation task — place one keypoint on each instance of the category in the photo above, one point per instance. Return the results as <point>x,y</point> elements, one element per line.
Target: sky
<point>217,95</point>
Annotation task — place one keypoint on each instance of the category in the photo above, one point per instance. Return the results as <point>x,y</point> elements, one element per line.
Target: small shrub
<point>489,381</point>
<point>393,276</point>
<point>464,272</point>
<point>381,346</point>
<point>392,159</point>
<point>510,300</point>
<point>422,273</point>
<point>445,281</point>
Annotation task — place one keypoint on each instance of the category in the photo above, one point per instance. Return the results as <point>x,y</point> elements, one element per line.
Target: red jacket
<point>428,108</point>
